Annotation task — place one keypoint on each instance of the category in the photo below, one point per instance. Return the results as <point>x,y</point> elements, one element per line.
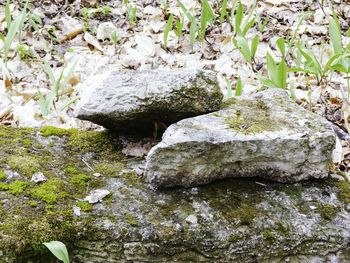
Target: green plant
<point>104,10</point>
<point>24,51</point>
<point>114,38</point>
<point>193,22</point>
<point>59,250</point>
<point>277,73</point>
<point>167,29</point>
<point>179,24</point>
<point>239,87</point>
<point>47,103</point>
<point>247,51</point>
<point>132,12</point>
<point>224,14</point>
<point>14,27</point>
<point>207,17</point>
<point>242,22</point>
<point>342,64</point>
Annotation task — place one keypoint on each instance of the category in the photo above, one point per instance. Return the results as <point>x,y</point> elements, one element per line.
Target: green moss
<point>84,206</point>
<point>327,211</point>
<point>15,188</point>
<point>49,191</point>
<point>131,220</point>
<point>250,125</point>
<point>32,203</point>
<point>228,103</point>
<point>109,169</point>
<point>2,175</point>
<point>233,238</point>
<point>344,191</point>
<point>132,178</point>
<point>54,131</point>
<point>245,214</point>
<point>269,235</point>
<point>79,179</point>
<point>71,170</point>
<point>27,142</point>
<point>26,165</point>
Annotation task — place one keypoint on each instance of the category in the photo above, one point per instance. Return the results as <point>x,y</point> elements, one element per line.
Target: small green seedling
<point>193,22</point>
<point>14,27</point>
<point>59,250</point>
<point>47,103</point>
<point>247,51</point>
<point>24,51</point>
<point>132,12</point>
<point>224,15</point>
<point>207,17</point>
<point>179,24</point>
<point>277,73</point>
<point>239,87</point>
<point>114,38</point>
<point>167,29</point>
<point>342,64</point>
<point>243,22</point>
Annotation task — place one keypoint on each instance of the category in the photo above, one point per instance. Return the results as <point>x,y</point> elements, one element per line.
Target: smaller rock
<point>97,174</point>
<point>76,210</point>
<point>38,177</point>
<point>105,31</point>
<point>192,219</point>
<point>96,196</point>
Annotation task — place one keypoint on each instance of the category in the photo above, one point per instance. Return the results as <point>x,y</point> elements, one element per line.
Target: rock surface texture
<point>134,101</point>
<point>232,220</point>
<point>266,135</point>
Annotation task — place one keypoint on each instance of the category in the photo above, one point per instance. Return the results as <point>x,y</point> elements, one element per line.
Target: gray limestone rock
<point>133,101</point>
<point>265,135</point>
<point>232,220</point>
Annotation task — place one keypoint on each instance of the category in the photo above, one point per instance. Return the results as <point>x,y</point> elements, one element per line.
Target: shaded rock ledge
<point>232,220</point>
<point>133,101</point>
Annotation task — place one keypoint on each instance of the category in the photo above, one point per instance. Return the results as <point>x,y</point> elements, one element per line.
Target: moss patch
<point>2,175</point>
<point>84,206</point>
<point>344,191</point>
<point>54,131</point>
<point>26,165</point>
<point>15,188</point>
<point>269,235</point>
<point>327,211</point>
<point>131,220</point>
<point>245,214</point>
<point>49,191</point>
<point>80,179</point>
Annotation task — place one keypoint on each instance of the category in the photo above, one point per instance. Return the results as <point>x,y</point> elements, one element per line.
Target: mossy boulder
<point>233,220</point>
<point>266,135</point>
<point>134,102</point>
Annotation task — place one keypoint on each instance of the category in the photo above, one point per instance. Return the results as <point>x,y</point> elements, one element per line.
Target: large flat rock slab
<point>133,101</point>
<point>232,220</point>
<point>265,135</point>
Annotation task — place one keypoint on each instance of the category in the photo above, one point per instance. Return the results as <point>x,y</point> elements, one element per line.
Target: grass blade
<point>239,87</point>
<point>335,36</point>
<point>167,29</point>
<point>8,14</point>
<point>243,46</point>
